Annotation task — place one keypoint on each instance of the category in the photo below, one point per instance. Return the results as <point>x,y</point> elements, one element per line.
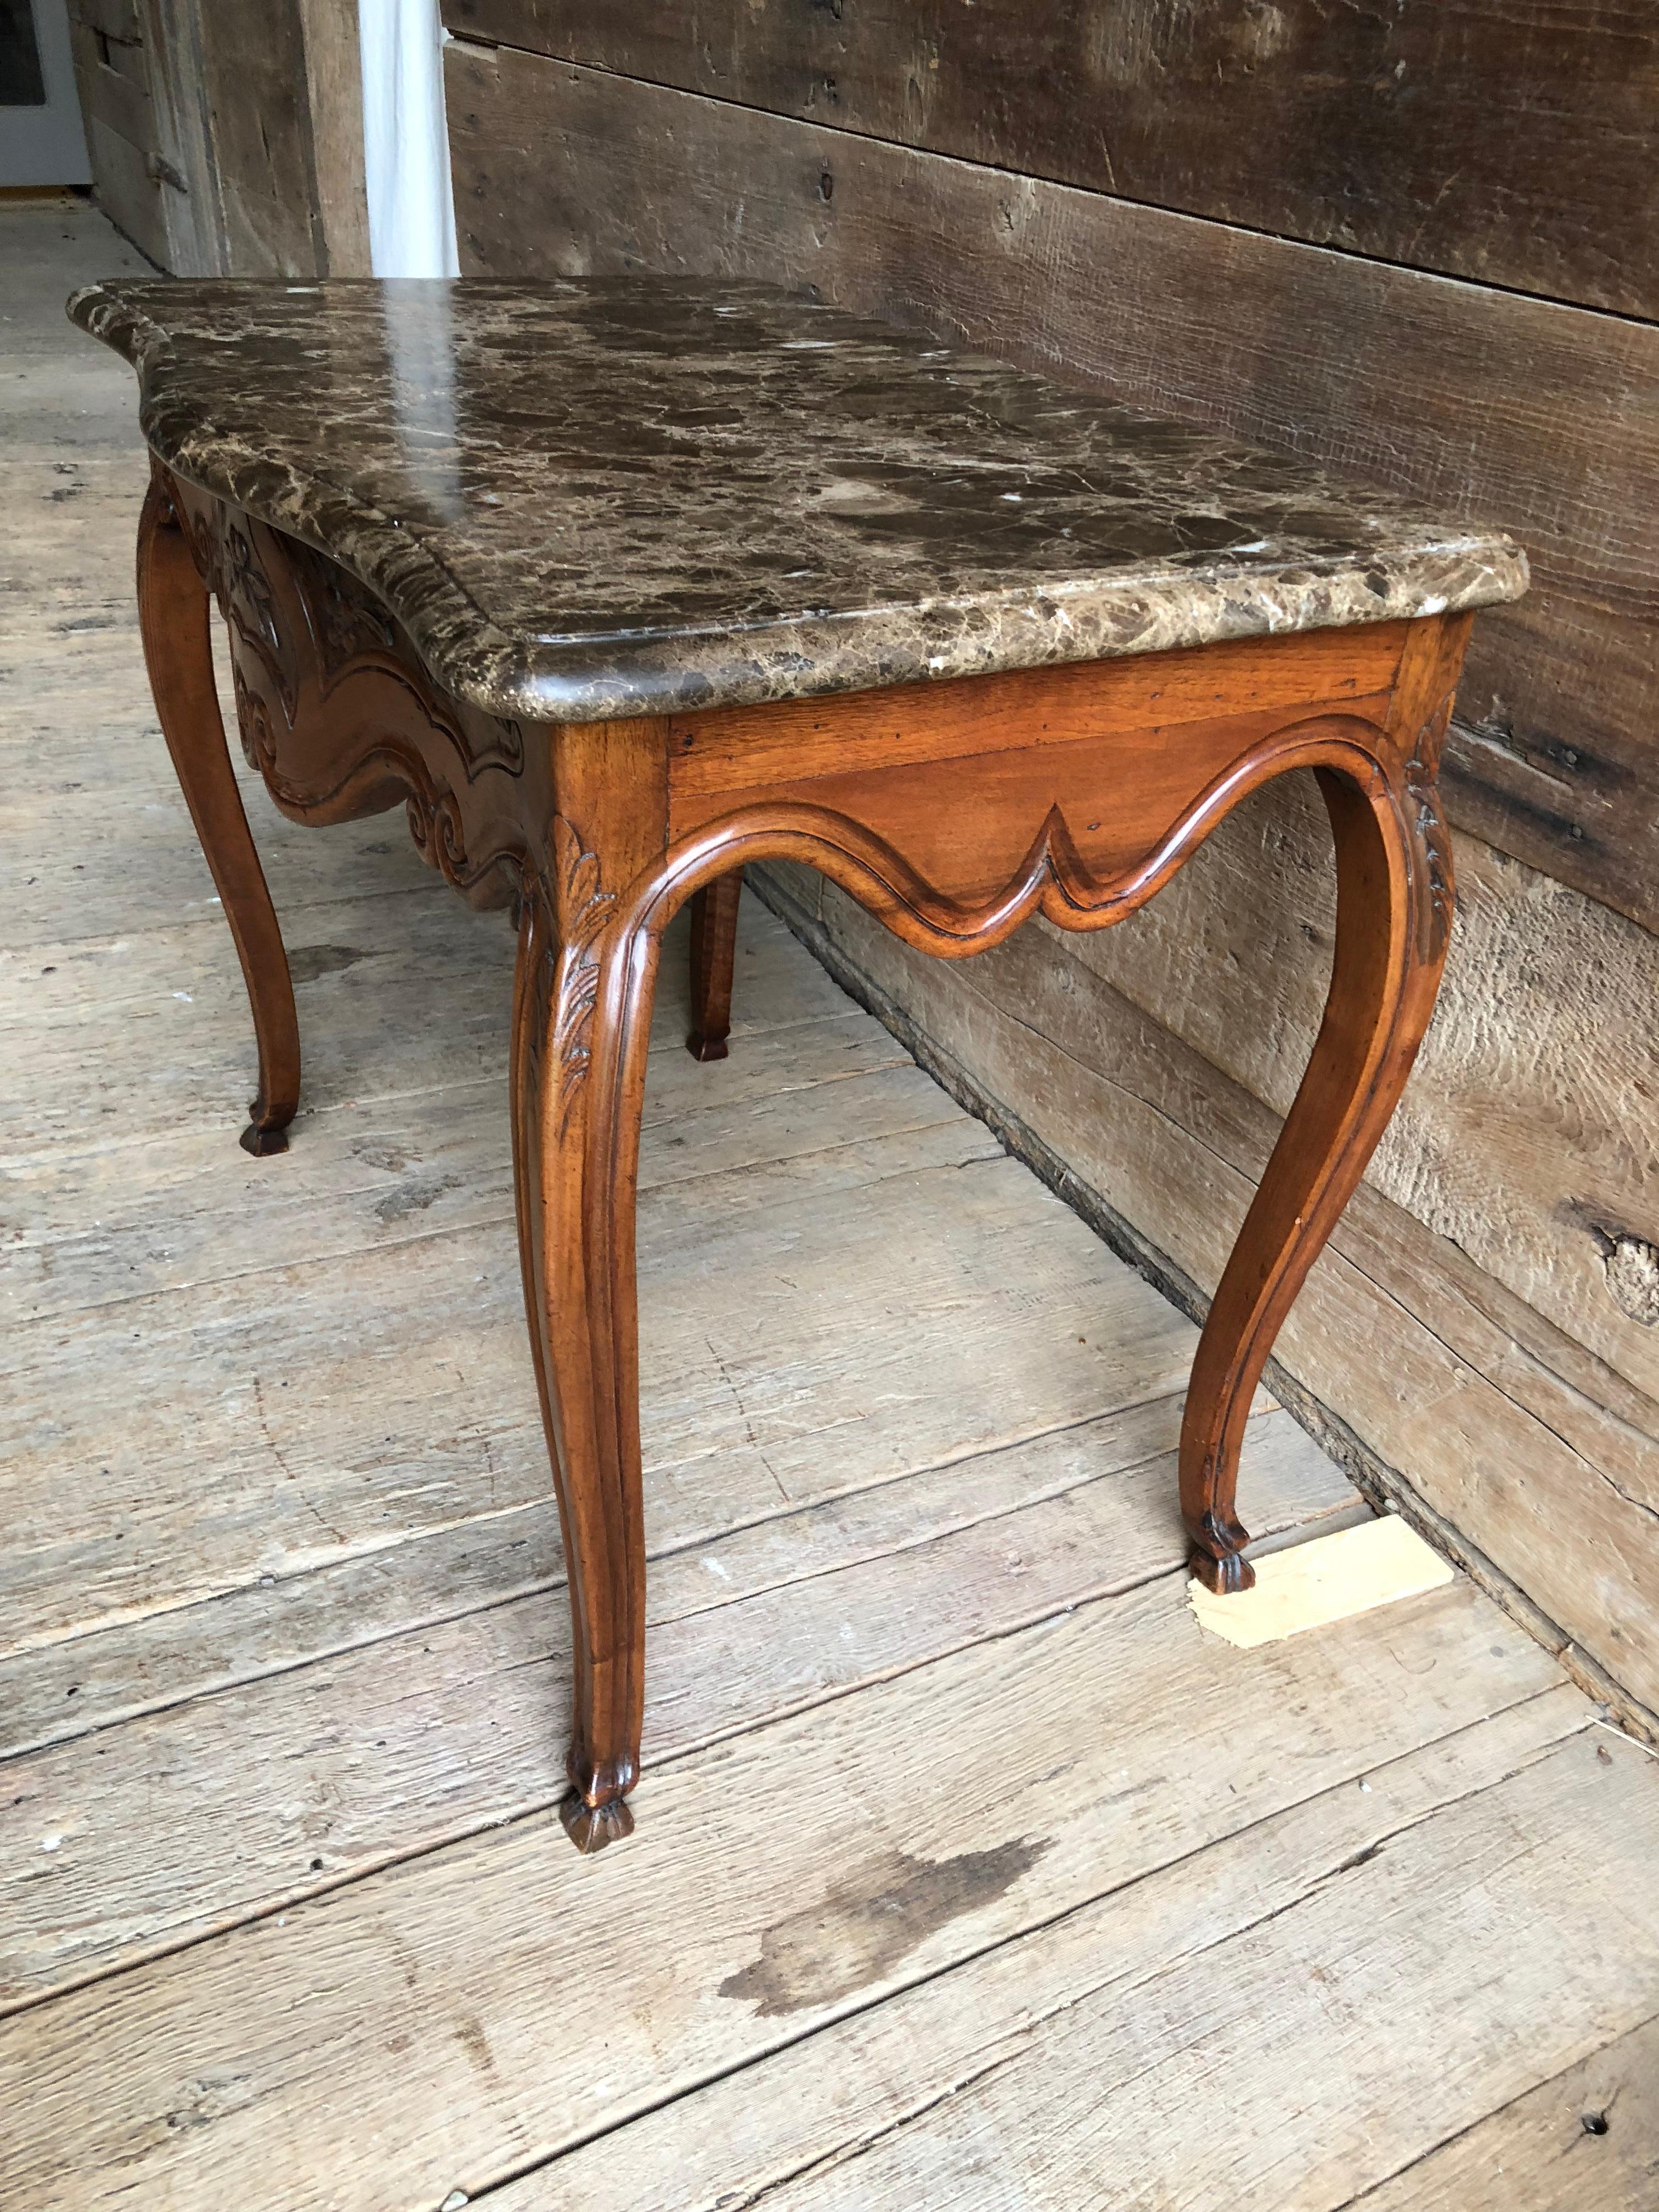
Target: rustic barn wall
<point>1490,403</point>
<point>1324,230</point>
<point>227,135</point>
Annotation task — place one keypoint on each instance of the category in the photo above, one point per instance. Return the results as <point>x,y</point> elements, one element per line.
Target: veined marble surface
<point>630,495</point>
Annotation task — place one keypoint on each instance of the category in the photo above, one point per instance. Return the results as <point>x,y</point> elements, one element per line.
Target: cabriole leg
<point>172,619</point>
<point>577,1142</point>
<point>1394,898</point>
<point>713,949</point>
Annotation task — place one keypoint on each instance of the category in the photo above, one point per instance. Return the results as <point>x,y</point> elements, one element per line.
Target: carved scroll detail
<point>435,823</point>
<point>582,909</point>
<point>345,620</point>
<point>434,810</point>
<point>352,633</point>
<point>222,546</point>
<point>254,726</point>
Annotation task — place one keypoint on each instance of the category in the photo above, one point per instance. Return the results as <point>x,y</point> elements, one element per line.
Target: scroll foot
<point>267,1132</point>
<point>262,1143</point>
<point>1226,1575</point>
<point>590,1828</point>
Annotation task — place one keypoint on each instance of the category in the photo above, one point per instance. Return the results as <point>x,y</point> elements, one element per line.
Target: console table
<point>619,584</point>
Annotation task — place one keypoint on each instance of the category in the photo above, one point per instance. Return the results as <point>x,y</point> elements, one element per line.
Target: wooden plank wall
<point>1325,231</point>
<point>226,139</point>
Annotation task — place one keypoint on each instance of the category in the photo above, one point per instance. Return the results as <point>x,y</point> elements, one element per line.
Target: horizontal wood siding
<point>1485,404</point>
<point>1506,140</point>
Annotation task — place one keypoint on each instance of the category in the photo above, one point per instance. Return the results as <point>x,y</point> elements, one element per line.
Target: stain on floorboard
<point>860,1930</point>
<point>306,963</point>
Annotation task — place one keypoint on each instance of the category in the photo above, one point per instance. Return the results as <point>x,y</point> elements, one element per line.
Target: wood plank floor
<point>969,1871</point>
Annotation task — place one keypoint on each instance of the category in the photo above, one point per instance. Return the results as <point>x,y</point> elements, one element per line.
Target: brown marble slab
<point>637,494</point>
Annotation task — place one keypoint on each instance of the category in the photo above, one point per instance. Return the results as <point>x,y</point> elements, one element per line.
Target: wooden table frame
<point>952,811</point>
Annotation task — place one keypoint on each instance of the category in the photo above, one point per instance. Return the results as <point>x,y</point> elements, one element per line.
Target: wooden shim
<point>1462,1411</point>
<point>1481,403</point>
<point>1586,2142</point>
<point>1385,132</point>
<point>829,2094</point>
<point>456,1727</point>
<point>1039,1771</point>
<point>1309,1586</point>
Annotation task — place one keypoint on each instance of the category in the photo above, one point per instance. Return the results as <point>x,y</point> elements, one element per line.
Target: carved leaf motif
<point>1435,846</point>
<point>247,590</point>
<point>583,908</point>
<point>225,558</point>
<point>1431,851</point>
<point>203,531</point>
<point>344,623</point>
<point>253,723</point>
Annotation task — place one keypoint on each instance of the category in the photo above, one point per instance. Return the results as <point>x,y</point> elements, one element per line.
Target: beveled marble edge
<point>1159,607</point>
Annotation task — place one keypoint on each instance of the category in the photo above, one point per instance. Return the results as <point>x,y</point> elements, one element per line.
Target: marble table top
<point>627,495</point>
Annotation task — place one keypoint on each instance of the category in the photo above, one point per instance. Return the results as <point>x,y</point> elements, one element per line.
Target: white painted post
<point>411,207</point>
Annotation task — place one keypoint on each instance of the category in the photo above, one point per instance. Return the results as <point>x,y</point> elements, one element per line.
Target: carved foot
<point>267,1132</point>
<point>590,1828</point>
<point>1217,1559</point>
<point>1226,1575</point>
<point>705,1047</point>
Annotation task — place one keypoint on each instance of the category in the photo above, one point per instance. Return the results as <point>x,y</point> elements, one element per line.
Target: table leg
<point>1394,903</point>
<point>713,949</point>
<point>172,620</point>
<point>582,1000</point>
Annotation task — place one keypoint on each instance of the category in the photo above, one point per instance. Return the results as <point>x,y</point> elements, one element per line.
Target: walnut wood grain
<point>1067,802</point>
<point>714,948</point>
<point>172,618</point>
<point>1392,921</point>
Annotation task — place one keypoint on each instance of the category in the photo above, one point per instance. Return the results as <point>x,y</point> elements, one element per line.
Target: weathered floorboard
<point>59,1690</point>
<point>1363,1966</point>
<point>797,1382</point>
<point>830,2094</point>
<point>456,1995</point>
<point>1588,2137</point>
<point>412,1741</point>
